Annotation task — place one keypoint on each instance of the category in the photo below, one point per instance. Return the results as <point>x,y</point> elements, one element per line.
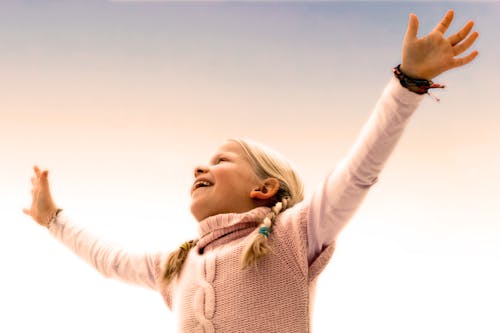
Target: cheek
<point>235,178</point>
<point>227,174</point>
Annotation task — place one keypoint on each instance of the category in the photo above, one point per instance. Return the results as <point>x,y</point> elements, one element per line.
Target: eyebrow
<point>220,155</point>
<point>216,157</point>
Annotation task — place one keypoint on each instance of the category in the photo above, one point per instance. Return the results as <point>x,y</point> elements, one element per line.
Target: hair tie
<point>264,231</point>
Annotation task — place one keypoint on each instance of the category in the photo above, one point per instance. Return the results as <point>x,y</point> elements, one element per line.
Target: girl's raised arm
<point>110,261</point>
<point>337,199</point>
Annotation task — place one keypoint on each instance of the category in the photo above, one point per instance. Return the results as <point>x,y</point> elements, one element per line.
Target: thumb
<point>411,32</point>
<point>27,211</point>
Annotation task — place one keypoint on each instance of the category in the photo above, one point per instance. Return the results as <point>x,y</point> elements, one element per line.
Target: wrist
<point>412,73</point>
<point>417,85</point>
<point>52,216</point>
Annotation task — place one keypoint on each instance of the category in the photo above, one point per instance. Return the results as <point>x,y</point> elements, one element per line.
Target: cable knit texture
<point>276,289</point>
<point>213,293</point>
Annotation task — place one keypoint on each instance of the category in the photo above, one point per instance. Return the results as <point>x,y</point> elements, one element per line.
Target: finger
<point>459,36</point>
<point>37,170</point>
<point>44,184</point>
<point>465,60</point>
<point>460,48</point>
<point>34,181</point>
<point>44,178</point>
<point>445,22</point>
<point>412,30</point>
<point>27,211</point>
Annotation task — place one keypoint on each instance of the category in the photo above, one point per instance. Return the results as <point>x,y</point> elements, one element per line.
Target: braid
<point>258,246</point>
<point>176,259</point>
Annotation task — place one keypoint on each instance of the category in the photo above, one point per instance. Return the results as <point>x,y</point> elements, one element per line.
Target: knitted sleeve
<point>110,261</point>
<point>338,197</point>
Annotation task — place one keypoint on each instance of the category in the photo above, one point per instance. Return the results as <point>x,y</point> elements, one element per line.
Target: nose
<point>200,170</point>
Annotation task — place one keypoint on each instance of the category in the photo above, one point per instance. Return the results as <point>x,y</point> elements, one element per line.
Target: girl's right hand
<point>43,209</point>
<point>433,54</point>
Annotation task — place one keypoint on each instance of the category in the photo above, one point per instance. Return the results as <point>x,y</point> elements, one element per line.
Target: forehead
<point>230,147</point>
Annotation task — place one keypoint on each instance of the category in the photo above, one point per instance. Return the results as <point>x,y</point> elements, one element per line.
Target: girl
<point>261,247</point>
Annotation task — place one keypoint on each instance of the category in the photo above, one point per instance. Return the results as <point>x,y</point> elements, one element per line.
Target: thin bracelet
<point>58,210</point>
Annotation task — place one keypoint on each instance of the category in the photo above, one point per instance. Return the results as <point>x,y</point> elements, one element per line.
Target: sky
<point>121,100</point>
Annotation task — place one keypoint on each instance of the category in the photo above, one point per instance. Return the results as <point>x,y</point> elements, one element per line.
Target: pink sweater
<point>213,293</point>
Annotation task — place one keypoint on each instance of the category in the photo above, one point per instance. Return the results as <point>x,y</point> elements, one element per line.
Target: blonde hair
<point>176,259</point>
<point>266,164</point>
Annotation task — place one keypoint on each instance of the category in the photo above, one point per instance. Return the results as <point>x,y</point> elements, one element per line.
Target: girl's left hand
<point>433,54</point>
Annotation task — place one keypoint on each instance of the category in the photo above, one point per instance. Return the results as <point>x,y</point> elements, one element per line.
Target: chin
<point>196,207</point>
<point>196,213</point>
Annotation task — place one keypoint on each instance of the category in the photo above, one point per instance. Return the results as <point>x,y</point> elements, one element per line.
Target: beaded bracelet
<point>419,86</point>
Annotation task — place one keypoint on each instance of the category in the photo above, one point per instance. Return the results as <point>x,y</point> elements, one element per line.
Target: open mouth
<point>201,183</point>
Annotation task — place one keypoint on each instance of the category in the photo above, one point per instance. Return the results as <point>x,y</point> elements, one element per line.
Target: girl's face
<point>228,184</point>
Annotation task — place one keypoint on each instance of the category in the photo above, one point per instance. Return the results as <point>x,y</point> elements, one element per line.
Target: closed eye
<point>216,160</point>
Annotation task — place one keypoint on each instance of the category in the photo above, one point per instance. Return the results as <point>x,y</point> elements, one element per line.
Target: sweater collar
<point>222,228</point>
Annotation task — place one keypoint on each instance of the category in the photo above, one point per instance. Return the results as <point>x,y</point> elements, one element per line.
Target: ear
<point>268,188</point>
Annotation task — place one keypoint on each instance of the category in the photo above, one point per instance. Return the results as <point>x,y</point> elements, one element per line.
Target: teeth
<point>201,183</point>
